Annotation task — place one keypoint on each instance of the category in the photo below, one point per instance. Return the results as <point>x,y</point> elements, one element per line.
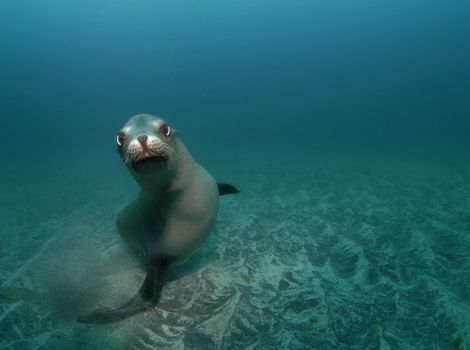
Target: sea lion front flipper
<point>226,189</point>
<point>109,315</point>
<point>147,297</point>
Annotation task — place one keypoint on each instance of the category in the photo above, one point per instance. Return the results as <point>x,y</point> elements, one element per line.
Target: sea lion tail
<point>226,189</point>
<point>146,298</point>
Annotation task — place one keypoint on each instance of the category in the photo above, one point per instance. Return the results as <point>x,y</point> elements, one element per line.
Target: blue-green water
<point>345,124</point>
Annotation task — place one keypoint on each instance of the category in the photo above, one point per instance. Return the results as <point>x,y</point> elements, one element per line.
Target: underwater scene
<point>243,174</point>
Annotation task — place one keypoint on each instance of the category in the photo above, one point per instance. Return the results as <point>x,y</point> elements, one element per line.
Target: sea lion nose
<point>142,139</point>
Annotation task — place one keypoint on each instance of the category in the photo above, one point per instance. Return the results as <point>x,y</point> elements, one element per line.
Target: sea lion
<point>174,212</point>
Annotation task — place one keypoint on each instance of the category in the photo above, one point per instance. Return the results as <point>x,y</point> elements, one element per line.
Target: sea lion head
<point>146,143</point>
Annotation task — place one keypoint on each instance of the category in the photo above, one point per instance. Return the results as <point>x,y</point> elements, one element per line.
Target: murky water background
<point>343,123</point>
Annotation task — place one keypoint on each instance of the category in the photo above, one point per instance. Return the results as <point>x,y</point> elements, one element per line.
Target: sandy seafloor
<point>316,252</point>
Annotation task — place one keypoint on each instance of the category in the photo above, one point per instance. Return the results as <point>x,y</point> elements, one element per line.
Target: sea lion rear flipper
<point>226,189</point>
<point>147,297</point>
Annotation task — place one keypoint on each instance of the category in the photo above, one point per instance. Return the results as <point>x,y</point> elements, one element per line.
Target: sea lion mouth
<point>148,160</point>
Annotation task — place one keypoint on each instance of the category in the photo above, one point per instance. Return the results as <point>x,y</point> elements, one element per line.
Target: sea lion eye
<point>120,138</point>
<point>166,130</point>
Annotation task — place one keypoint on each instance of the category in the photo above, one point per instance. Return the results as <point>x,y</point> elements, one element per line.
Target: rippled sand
<point>314,253</point>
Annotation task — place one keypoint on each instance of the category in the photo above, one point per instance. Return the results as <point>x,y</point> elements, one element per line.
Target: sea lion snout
<point>145,147</point>
<point>143,140</point>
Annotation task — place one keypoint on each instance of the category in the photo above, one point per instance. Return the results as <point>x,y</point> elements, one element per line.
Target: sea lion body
<point>174,223</point>
<point>174,212</point>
